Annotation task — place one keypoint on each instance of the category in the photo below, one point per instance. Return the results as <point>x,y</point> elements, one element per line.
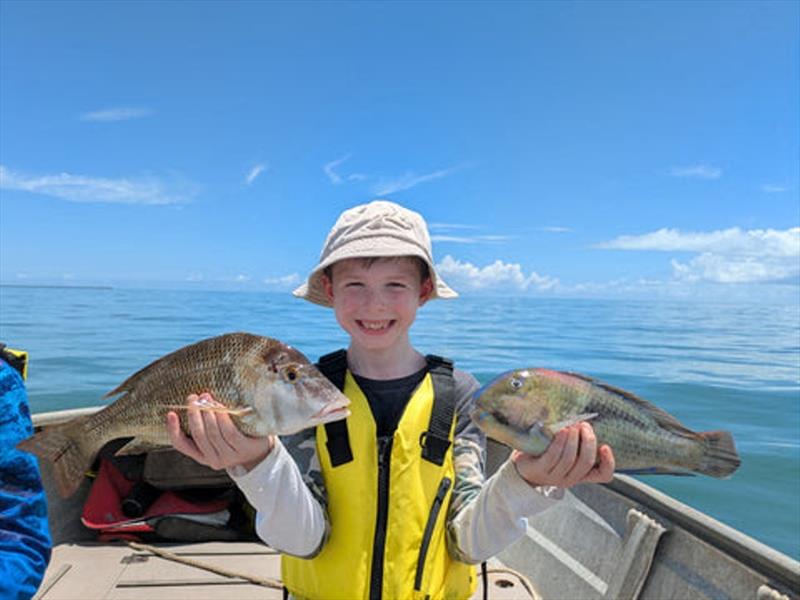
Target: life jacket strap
<point>334,367</point>
<point>436,440</point>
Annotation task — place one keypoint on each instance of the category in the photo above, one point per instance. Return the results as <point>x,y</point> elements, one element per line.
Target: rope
<point>274,583</point>
<point>266,582</point>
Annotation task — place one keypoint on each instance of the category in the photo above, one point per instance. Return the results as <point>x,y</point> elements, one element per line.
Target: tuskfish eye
<point>515,383</point>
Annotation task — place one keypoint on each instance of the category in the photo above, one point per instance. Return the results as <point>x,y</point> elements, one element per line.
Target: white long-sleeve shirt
<point>290,519</point>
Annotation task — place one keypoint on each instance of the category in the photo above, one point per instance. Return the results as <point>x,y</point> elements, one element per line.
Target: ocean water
<point>713,366</point>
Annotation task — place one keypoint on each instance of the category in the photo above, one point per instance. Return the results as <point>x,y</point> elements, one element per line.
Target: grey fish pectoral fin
<point>235,412</point>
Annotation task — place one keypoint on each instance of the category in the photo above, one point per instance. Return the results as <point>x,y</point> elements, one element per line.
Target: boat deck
<point>119,572</point>
<point>95,570</point>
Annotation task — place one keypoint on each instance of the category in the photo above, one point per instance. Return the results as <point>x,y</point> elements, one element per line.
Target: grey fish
<point>266,386</point>
<point>525,408</point>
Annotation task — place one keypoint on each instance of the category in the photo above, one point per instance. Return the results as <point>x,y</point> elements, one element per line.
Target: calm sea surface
<point>714,366</point>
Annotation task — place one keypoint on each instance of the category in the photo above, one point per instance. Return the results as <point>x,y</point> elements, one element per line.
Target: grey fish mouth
<point>333,411</point>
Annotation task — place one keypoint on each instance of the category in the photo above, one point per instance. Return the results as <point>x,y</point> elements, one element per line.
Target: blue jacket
<point>24,533</point>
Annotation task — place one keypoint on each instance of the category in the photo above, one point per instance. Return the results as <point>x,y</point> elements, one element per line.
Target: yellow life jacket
<point>387,503</point>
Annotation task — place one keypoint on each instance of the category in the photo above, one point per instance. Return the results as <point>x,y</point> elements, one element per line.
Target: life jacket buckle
<point>434,447</point>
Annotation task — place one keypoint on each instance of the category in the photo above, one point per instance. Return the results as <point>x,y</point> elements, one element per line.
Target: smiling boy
<point>392,501</point>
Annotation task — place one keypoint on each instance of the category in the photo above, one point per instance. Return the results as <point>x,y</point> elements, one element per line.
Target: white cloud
<point>463,238</point>
<point>80,188</point>
<point>284,281</point>
<point>771,188</point>
<point>328,168</point>
<point>556,229</point>
<point>254,173</point>
<point>474,239</point>
<point>737,269</point>
<point>496,276</point>
<point>725,256</point>
<point>697,171</point>
<point>384,187</point>
<point>120,113</point>
<point>757,242</point>
<point>450,226</point>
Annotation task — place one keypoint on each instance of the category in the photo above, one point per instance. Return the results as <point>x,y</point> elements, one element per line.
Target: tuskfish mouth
<point>333,411</point>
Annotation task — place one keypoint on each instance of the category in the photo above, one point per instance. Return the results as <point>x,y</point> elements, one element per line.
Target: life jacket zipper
<point>444,486</point>
<point>382,517</point>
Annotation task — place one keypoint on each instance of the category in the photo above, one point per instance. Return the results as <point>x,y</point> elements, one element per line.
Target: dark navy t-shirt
<point>388,398</point>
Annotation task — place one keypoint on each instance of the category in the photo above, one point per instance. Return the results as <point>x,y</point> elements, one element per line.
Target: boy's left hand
<point>572,457</point>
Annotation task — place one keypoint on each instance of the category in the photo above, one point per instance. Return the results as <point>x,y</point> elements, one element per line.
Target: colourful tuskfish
<point>525,408</point>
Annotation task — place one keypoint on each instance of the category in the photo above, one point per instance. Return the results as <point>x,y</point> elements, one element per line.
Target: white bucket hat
<point>380,228</point>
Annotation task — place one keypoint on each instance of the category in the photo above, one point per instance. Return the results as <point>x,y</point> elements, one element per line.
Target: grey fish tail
<point>720,458</point>
<point>64,446</point>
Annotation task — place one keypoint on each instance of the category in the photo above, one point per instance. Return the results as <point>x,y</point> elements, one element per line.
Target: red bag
<point>103,508</point>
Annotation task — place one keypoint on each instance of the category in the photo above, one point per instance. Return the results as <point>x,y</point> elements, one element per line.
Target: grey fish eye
<point>290,374</point>
<point>515,383</point>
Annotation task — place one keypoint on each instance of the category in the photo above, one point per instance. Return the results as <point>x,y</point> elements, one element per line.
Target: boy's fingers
<point>604,471</point>
<point>568,455</point>
<point>180,440</point>
<point>549,459</point>
<point>199,435</point>
<point>587,453</point>
<point>607,464</point>
<point>230,433</point>
<point>212,422</point>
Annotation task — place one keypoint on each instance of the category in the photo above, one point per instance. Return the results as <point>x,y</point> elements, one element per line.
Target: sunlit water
<point>713,366</point>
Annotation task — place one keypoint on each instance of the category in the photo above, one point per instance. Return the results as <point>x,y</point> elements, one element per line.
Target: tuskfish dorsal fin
<point>662,417</point>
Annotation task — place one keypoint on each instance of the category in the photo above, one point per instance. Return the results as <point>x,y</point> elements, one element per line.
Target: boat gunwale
<point>747,550</point>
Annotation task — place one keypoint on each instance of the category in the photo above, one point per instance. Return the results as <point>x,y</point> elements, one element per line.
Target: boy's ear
<point>327,285</point>
<point>425,291</point>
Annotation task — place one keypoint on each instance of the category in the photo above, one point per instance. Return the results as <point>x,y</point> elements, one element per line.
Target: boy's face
<point>377,303</point>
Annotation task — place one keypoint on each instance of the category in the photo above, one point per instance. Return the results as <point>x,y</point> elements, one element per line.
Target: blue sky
<point>568,149</point>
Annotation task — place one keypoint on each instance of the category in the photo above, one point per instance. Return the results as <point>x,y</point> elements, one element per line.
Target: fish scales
<point>265,386</point>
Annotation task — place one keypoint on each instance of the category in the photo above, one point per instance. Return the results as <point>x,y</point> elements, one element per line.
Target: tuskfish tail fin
<point>720,458</point>
<point>61,445</point>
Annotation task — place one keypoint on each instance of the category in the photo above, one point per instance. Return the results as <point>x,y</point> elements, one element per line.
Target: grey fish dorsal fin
<point>662,417</point>
<point>180,355</point>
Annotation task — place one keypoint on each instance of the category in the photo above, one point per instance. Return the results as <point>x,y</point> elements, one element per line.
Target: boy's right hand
<point>215,441</point>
